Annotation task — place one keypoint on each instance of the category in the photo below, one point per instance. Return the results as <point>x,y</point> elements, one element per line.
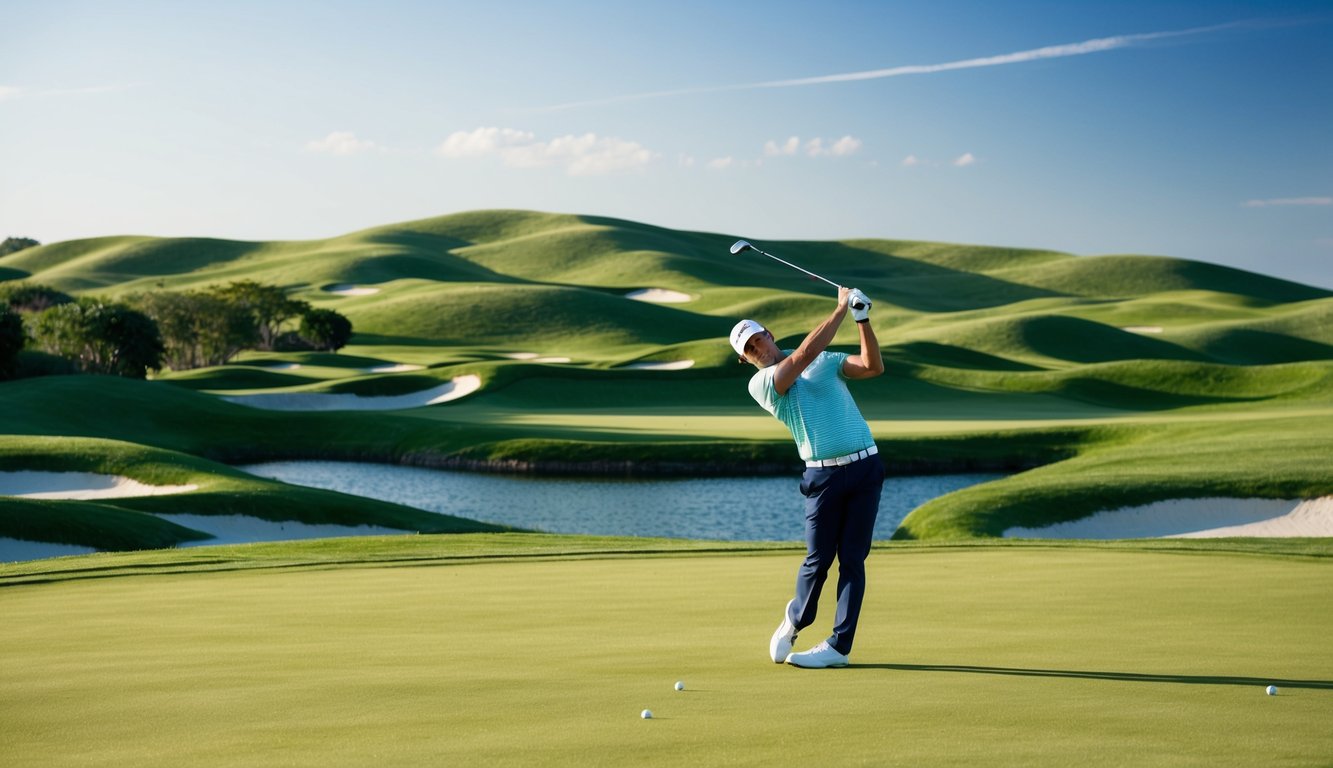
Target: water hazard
<point>734,509</point>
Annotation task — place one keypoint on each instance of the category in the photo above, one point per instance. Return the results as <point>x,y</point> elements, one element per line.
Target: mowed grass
<point>966,656</point>
<point>1128,377</point>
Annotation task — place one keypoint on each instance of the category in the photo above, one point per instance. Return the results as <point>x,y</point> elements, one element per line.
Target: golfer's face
<point>760,350</point>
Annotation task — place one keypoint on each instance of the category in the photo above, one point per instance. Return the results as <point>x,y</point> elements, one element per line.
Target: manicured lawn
<point>1005,655</point>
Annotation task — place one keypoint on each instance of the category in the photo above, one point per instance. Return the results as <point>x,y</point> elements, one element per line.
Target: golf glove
<point>859,304</point>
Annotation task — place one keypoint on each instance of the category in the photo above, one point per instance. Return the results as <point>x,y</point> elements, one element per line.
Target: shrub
<point>101,337</point>
<point>31,297</point>
<point>197,329</point>
<point>12,338</point>
<point>267,306</point>
<point>15,244</point>
<point>325,329</point>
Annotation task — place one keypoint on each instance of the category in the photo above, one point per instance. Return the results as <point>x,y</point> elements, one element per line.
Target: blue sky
<point>1192,129</point>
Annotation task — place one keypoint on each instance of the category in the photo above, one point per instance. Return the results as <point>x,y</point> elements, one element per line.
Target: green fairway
<point>1117,380</point>
<point>1003,655</point>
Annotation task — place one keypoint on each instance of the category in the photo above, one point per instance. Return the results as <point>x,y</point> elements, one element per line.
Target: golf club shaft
<point>793,266</point>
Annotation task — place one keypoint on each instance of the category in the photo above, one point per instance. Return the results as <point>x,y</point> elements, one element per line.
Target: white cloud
<point>1281,201</point>
<point>340,143</point>
<point>721,163</point>
<point>911,160</point>
<point>788,147</point>
<point>815,147</point>
<point>847,145</point>
<point>9,92</point>
<point>483,141</point>
<point>964,160</point>
<point>585,155</point>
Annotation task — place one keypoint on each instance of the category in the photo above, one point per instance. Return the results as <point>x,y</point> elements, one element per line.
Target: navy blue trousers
<point>841,504</point>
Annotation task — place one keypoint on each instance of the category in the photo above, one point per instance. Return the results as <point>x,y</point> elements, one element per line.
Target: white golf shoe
<point>779,648</point>
<point>819,657</point>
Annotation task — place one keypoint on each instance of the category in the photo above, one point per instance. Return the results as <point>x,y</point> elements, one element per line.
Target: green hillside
<point>997,357</point>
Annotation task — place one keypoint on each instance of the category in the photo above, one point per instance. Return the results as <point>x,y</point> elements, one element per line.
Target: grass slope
<point>997,356</point>
<point>1002,656</point>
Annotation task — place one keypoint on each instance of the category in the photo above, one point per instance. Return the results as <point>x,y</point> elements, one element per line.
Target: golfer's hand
<point>859,303</point>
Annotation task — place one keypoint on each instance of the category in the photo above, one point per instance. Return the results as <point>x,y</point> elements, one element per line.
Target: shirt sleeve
<point>837,359</point>
<point>764,390</point>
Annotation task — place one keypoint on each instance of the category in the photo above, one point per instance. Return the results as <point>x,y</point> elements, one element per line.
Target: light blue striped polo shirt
<point>817,408</point>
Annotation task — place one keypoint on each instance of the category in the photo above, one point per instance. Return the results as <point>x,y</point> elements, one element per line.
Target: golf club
<point>740,246</point>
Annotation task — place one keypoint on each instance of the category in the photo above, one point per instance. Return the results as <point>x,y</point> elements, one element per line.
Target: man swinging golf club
<point>806,390</point>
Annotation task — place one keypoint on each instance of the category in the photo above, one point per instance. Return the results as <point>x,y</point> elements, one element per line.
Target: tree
<point>198,329</point>
<point>267,305</point>
<point>31,297</point>
<point>101,337</point>
<point>326,329</point>
<point>12,338</point>
<point>16,244</point>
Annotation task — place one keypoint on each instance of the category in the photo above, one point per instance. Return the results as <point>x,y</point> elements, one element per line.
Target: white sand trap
<point>316,401</point>
<point>347,289</point>
<point>1197,518</point>
<point>80,485</point>
<point>659,296</point>
<point>533,357</point>
<point>243,529</point>
<point>394,368</point>
<point>16,550</point>
<point>1142,328</point>
<point>673,365</point>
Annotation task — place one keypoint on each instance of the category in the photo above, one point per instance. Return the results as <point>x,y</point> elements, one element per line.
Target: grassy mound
<point>121,523</point>
<point>998,357</point>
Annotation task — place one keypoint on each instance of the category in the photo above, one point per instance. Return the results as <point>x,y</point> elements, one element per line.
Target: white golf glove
<point>859,303</point>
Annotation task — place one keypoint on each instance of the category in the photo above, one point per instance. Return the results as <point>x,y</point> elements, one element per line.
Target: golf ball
<point>680,685</point>
<point>1271,690</point>
<point>647,714</point>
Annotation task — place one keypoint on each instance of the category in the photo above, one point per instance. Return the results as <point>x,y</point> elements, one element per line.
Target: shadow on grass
<point>1128,677</point>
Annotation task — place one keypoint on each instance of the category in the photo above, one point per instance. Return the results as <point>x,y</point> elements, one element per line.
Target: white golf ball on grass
<point>1271,690</point>
<point>680,685</point>
<point>647,714</point>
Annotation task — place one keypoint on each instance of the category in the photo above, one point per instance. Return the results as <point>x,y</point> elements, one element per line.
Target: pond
<point>734,509</point>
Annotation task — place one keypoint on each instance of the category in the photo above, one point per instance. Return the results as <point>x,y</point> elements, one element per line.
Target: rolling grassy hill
<point>998,357</point>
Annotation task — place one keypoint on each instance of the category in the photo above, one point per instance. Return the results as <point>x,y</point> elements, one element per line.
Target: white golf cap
<point>742,333</point>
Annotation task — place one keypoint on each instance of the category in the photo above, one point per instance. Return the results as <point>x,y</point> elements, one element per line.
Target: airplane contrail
<point>1049,52</point>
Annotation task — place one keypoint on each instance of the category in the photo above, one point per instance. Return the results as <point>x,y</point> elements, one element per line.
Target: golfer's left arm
<point>869,363</point>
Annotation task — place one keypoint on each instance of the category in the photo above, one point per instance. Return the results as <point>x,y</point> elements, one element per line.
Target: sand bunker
<point>347,289</point>
<point>659,296</point>
<point>393,368</point>
<point>316,401</point>
<point>1142,328</point>
<point>673,365</point>
<point>533,357</point>
<point>80,485</point>
<point>1197,518</point>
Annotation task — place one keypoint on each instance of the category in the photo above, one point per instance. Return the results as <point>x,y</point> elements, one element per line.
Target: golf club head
<point>740,245</point>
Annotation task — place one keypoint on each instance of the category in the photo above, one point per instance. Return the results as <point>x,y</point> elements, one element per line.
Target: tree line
<point>149,331</point>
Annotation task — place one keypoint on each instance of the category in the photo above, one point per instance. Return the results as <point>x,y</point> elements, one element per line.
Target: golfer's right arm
<point>794,364</point>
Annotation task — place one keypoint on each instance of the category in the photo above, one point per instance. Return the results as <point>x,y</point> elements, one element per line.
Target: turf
<point>973,655</point>
<point>998,358</point>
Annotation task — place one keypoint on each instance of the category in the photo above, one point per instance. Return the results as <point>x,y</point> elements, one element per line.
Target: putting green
<point>967,656</point>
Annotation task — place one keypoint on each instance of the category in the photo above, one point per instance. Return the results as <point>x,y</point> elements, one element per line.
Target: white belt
<point>844,460</point>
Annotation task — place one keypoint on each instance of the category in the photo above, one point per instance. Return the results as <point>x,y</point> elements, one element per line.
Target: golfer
<point>806,389</point>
